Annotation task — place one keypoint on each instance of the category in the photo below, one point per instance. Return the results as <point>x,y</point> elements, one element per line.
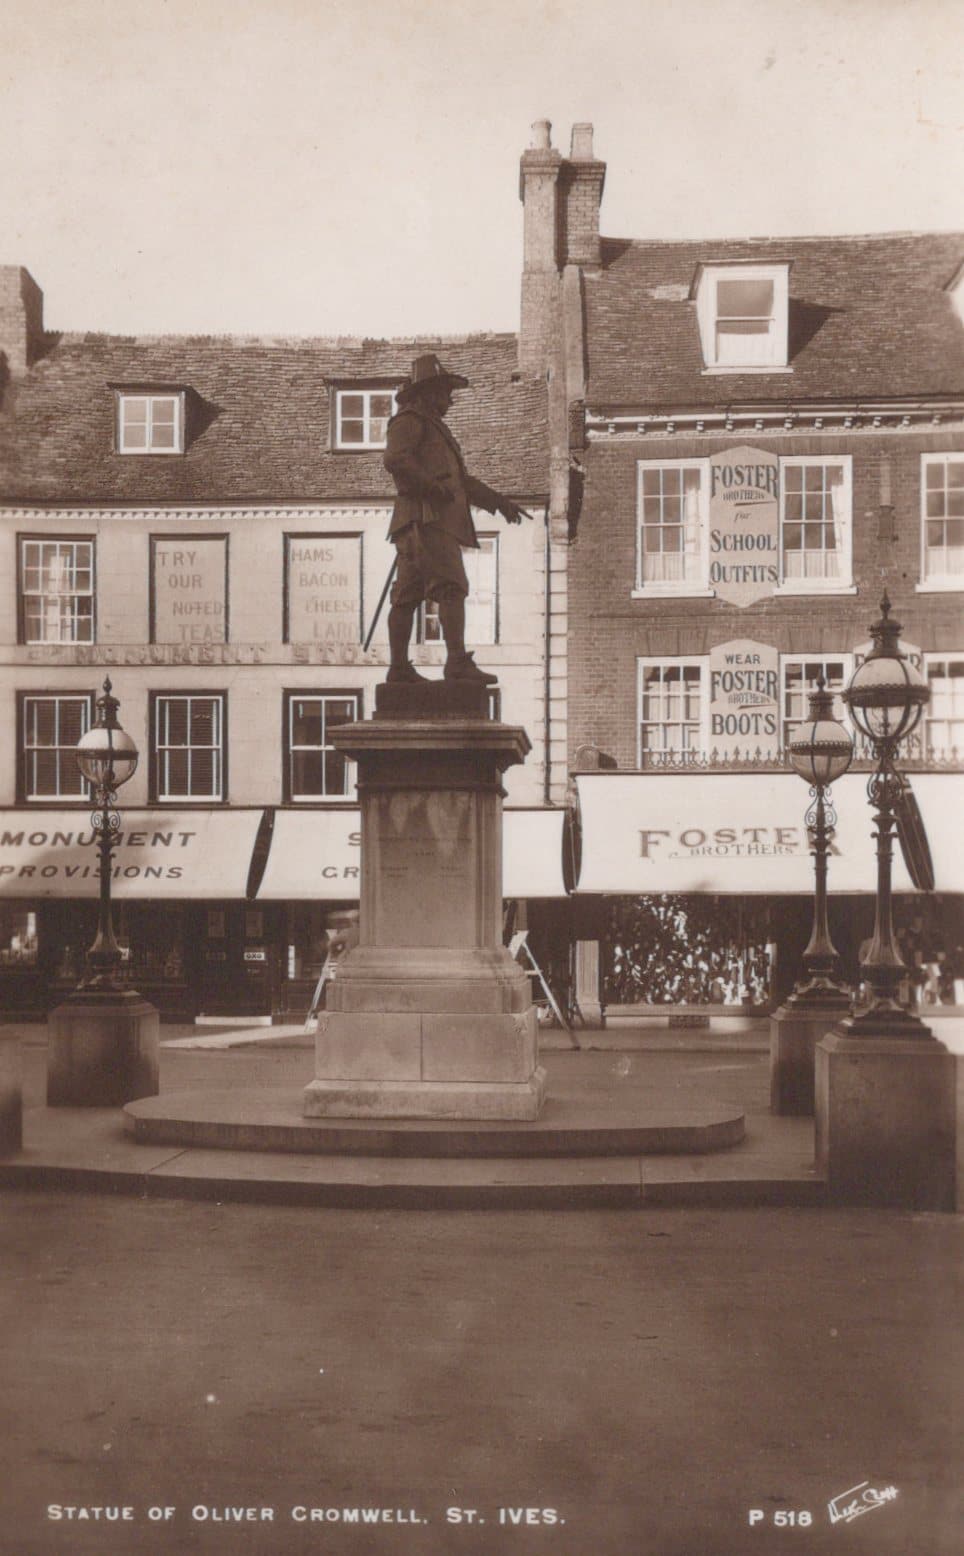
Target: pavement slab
<point>656,1380</point>
<point>375,1181</point>
<point>771,1165</point>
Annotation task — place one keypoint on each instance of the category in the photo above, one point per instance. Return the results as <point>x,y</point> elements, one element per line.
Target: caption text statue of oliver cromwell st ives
<point>432,519</point>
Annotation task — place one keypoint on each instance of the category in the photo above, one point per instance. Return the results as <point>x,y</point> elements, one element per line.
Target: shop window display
<point>315,933</point>
<point>152,938</point>
<point>68,928</point>
<point>930,939</point>
<point>673,950</point>
<point>18,938</point>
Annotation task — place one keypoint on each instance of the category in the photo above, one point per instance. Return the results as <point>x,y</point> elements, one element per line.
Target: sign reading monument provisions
<point>324,589</point>
<point>160,854</point>
<point>744,524</point>
<point>744,697</point>
<point>190,577</point>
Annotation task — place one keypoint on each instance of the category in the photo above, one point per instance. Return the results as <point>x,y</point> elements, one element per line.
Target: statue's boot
<point>401,669</point>
<point>462,667</point>
<point>405,672</point>
<point>459,666</point>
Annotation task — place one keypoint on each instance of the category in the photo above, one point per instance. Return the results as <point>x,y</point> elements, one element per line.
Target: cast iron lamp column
<point>884,1115</point>
<point>821,752</point>
<point>103,1041</point>
<point>886,697</point>
<point>107,757</point>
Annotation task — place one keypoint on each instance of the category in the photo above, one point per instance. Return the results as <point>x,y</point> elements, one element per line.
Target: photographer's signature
<point>859,1499</point>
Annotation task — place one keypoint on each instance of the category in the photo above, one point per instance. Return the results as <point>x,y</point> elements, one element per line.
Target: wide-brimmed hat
<point>427,369</point>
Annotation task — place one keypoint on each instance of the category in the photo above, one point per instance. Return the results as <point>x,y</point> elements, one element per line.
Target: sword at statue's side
<point>378,608</point>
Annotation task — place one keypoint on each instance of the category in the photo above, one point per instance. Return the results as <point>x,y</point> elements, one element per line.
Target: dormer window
<point>742,312</point>
<point>150,423</point>
<point>362,416</point>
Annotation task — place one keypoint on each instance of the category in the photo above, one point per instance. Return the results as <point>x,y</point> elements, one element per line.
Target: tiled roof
<point>869,316</point>
<point>259,419</point>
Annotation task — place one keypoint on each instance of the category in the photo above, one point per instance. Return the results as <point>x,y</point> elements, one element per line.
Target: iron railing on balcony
<point>778,760</point>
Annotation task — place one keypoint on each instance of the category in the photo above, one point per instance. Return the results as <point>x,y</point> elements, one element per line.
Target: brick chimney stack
<point>561,198</point>
<point>580,196</point>
<point>538,181</point>
<point>21,318</point>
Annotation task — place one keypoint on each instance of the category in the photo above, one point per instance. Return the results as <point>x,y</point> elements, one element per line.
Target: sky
<point>319,167</point>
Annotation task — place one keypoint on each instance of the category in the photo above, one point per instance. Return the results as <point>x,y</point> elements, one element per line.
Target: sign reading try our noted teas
<point>744,524</point>
<point>189,589</point>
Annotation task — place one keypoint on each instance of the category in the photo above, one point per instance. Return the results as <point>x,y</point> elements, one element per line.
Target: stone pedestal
<point>885,1119</point>
<point>102,1050</point>
<point>429,1016</point>
<point>11,1095</point>
<point>795,1030</point>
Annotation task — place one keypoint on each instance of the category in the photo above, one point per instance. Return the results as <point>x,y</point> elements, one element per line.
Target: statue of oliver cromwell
<point>432,519</point>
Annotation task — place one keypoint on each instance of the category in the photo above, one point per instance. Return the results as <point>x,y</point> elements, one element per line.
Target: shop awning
<point>186,854</point>
<point>315,855</point>
<point>532,845</point>
<point>736,833</point>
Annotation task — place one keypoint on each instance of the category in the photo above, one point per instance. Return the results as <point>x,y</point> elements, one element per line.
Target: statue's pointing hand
<point>512,512</point>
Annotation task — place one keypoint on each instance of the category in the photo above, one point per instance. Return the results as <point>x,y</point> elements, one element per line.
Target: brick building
<point>205,521</point>
<point>762,436</point>
<point>735,445</point>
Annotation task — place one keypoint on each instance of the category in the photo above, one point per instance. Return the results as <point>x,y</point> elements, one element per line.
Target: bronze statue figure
<point>432,519</point>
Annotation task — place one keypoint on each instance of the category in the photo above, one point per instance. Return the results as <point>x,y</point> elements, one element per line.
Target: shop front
<point>241,969</point>
<point>178,891</point>
<point>312,877</point>
<point>221,914</point>
<point>704,881</point>
<point>309,887</point>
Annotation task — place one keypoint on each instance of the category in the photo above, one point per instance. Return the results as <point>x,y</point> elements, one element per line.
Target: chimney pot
<point>581,143</point>
<point>542,135</point>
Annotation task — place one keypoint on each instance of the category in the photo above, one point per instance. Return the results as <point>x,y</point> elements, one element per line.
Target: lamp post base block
<point>885,1121</point>
<point>795,1030</point>
<point>102,1050</point>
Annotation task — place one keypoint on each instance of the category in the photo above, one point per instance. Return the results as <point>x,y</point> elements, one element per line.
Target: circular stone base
<point>569,1125</point>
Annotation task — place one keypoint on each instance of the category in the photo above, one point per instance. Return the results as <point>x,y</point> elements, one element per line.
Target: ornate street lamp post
<point>821,752</point>
<point>886,698</point>
<point>103,1041</point>
<point>107,757</point>
<point>885,1087</point>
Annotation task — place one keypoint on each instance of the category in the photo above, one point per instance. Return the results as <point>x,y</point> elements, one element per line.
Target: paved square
<point>652,1377</point>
